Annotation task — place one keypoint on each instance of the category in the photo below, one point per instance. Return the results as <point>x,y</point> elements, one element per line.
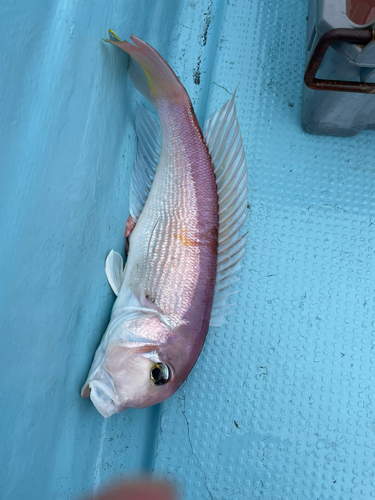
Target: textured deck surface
<point>281,402</point>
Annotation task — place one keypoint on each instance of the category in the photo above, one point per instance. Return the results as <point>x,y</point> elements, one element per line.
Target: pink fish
<point>188,200</point>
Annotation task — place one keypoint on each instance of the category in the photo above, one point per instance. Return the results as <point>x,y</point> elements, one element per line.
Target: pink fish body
<point>184,247</point>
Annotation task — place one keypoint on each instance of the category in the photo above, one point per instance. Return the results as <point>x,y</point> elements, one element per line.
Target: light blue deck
<point>280,404</point>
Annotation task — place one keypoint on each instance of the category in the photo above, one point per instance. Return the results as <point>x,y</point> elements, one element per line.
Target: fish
<point>188,201</point>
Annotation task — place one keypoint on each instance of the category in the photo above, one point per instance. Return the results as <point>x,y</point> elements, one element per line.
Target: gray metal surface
<point>337,113</point>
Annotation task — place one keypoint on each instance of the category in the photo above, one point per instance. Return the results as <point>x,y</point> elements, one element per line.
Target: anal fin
<point>148,132</point>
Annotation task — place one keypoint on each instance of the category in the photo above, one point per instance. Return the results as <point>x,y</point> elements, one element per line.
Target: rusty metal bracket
<point>347,35</point>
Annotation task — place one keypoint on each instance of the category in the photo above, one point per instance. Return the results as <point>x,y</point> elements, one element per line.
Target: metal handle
<point>348,35</point>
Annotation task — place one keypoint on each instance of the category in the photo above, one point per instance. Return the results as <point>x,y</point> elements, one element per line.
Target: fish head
<point>141,376</point>
<point>130,372</point>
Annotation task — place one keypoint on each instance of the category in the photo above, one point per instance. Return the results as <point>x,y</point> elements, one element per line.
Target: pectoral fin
<point>114,270</point>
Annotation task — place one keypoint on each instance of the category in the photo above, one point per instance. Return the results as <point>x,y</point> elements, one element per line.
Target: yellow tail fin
<point>154,78</point>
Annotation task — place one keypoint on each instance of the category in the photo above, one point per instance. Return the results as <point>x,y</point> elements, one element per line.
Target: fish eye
<point>160,373</point>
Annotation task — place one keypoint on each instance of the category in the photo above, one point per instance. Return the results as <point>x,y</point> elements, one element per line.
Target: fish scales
<point>181,214</point>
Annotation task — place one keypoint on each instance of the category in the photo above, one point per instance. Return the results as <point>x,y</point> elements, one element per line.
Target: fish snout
<point>103,393</point>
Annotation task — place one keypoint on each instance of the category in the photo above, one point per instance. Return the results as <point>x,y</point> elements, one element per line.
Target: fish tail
<point>150,74</point>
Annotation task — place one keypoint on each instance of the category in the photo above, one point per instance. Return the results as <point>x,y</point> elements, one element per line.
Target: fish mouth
<point>102,398</point>
<point>102,393</point>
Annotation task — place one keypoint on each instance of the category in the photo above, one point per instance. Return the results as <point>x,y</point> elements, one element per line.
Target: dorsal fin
<point>147,128</point>
<point>223,138</point>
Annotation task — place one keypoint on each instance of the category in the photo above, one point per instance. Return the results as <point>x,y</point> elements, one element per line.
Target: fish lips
<point>101,390</point>
<point>102,398</point>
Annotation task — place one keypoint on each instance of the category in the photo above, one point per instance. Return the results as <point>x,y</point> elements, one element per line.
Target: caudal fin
<point>150,74</point>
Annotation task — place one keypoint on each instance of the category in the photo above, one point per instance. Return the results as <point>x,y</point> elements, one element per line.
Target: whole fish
<point>188,200</point>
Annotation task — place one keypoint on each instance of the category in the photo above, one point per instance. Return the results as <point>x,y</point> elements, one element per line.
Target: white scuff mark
<point>97,475</point>
<point>71,29</point>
